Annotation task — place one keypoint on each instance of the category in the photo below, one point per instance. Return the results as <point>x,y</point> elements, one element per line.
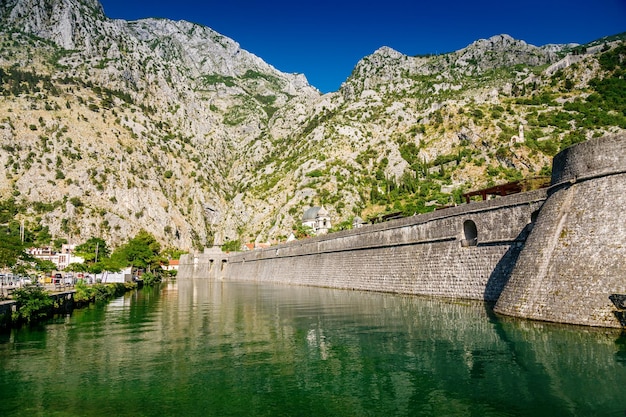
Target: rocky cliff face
<point>111,126</point>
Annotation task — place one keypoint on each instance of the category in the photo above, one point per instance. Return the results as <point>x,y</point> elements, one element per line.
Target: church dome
<point>311,214</point>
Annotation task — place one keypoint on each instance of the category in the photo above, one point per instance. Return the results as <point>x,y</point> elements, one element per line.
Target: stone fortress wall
<point>575,258</point>
<point>554,255</point>
<point>438,254</point>
<point>209,264</point>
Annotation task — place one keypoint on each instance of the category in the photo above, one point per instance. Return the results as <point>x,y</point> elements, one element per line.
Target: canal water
<point>203,348</point>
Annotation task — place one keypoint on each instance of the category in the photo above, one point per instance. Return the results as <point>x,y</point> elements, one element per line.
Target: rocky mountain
<point>108,126</point>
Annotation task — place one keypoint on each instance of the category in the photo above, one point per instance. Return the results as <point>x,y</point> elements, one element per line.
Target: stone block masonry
<point>575,258</point>
<point>553,255</point>
<point>209,264</point>
<point>430,254</point>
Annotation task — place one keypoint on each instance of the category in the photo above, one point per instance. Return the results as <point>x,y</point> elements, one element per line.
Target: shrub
<point>150,279</point>
<point>101,292</point>
<point>232,246</point>
<point>33,304</point>
<point>84,293</point>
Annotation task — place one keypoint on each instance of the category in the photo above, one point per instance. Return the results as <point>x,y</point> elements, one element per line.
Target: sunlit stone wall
<point>209,264</point>
<point>434,254</point>
<point>575,257</point>
<point>557,255</point>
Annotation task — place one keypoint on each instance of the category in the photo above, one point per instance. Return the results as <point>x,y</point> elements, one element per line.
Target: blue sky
<point>324,39</point>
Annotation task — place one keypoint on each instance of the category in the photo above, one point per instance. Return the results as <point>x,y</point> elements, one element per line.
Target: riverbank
<point>33,304</point>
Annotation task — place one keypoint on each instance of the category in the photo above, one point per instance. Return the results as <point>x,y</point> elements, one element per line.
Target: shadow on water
<point>563,363</point>
<point>620,344</point>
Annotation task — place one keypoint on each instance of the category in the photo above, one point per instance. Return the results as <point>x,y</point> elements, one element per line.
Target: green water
<point>200,348</point>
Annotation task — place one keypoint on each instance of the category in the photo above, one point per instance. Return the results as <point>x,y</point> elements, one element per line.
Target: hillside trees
<point>11,244</point>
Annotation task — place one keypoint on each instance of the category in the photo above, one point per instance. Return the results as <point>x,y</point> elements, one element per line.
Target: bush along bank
<point>86,294</point>
<point>35,304</point>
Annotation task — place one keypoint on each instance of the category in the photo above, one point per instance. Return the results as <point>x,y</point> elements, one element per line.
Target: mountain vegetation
<point>109,128</point>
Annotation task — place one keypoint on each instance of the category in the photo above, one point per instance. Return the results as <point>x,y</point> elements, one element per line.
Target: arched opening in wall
<point>224,261</point>
<point>470,232</point>
<point>210,265</point>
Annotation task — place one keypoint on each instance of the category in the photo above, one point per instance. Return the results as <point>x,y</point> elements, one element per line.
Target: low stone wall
<point>64,302</point>
<point>461,252</point>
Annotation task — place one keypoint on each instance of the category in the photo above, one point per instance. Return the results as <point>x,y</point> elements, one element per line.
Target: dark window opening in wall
<point>471,234</point>
<point>223,264</point>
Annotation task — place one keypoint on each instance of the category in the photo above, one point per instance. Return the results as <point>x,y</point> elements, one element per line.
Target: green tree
<point>33,303</point>
<point>92,250</point>
<point>42,235</point>
<point>150,278</point>
<point>112,264</point>
<point>232,246</point>
<point>173,253</point>
<point>8,210</point>
<point>301,231</point>
<point>45,266</point>
<point>344,225</point>
<point>11,250</point>
<point>58,243</point>
<point>142,251</point>
<point>76,267</point>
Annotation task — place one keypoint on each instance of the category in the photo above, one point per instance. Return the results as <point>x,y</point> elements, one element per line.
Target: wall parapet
<point>209,264</point>
<point>384,234</point>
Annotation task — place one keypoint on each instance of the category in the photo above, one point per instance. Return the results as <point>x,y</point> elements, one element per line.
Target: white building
<point>318,219</point>
<point>61,259</point>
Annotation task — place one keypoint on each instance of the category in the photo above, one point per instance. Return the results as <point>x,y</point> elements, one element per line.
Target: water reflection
<point>202,347</point>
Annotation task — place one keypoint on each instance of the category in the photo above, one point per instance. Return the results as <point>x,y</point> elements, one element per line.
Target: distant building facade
<point>318,219</point>
<point>61,259</point>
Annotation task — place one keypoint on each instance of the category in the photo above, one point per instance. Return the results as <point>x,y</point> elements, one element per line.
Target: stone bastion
<point>573,266</point>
